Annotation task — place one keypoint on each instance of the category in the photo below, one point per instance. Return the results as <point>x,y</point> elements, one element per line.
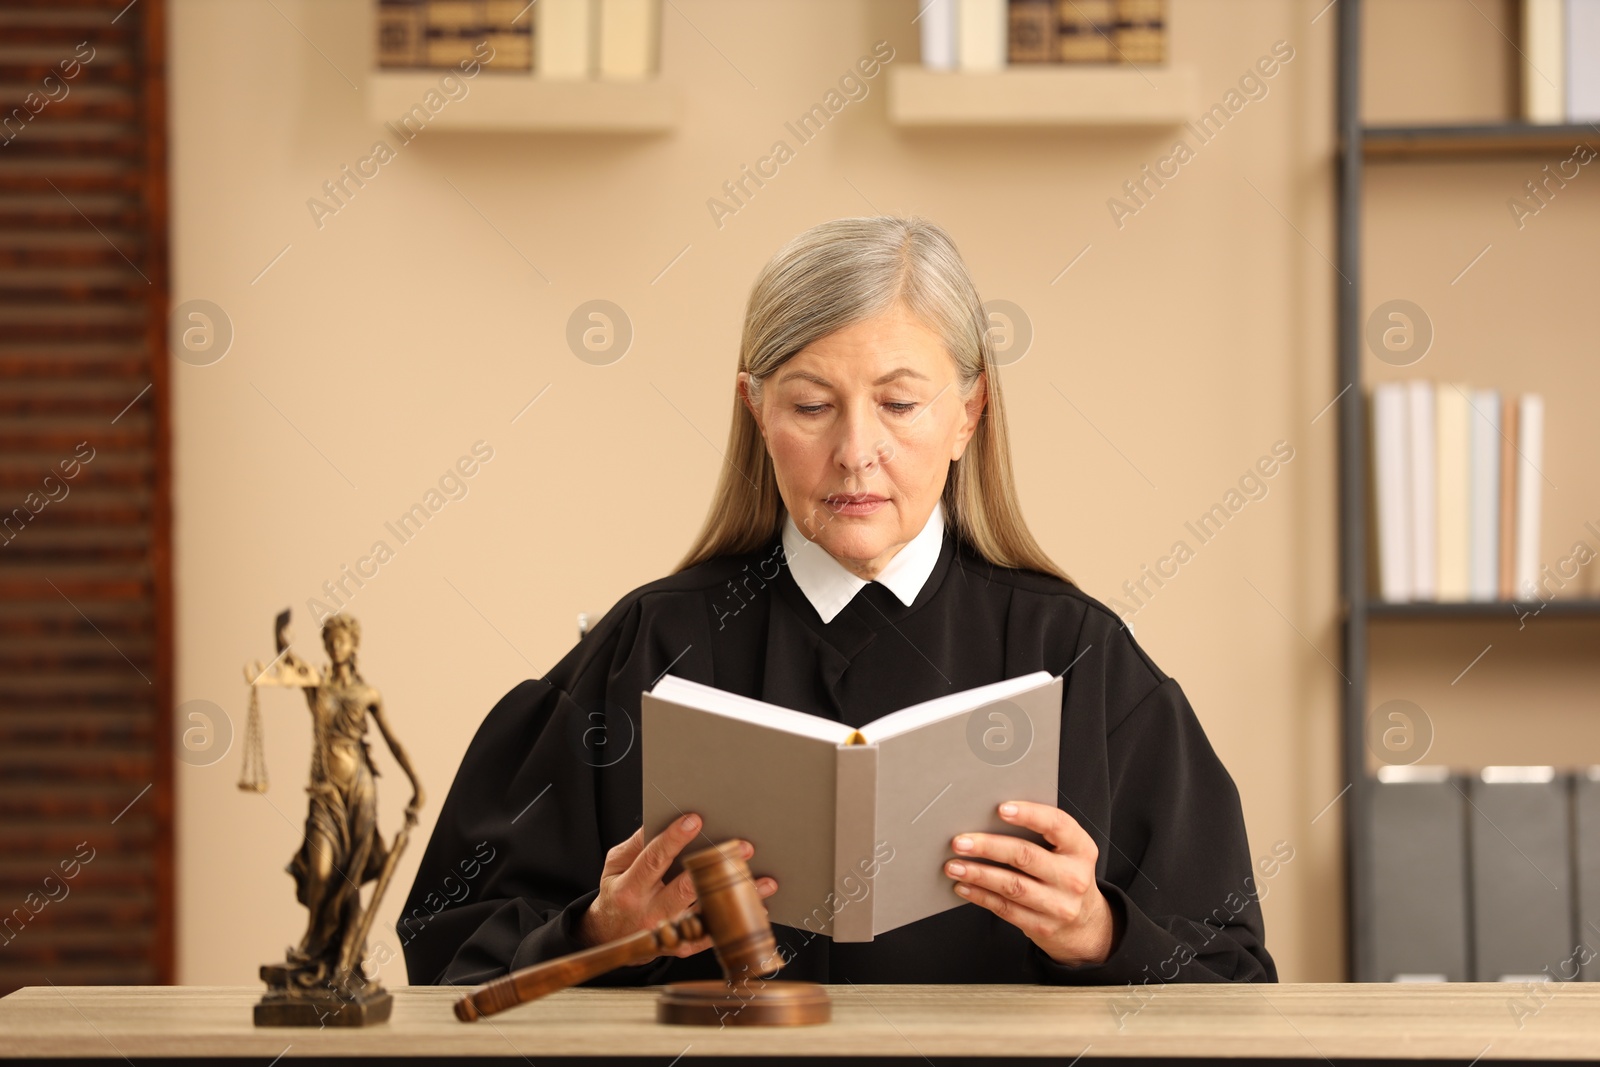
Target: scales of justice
<point>321,981</point>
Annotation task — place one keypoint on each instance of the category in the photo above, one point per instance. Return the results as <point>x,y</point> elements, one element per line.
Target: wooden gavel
<point>731,912</point>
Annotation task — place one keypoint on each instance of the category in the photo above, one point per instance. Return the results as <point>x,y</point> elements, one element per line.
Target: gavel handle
<point>531,983</point>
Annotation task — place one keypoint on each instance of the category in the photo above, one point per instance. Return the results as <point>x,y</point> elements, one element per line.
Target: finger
<point>621,857</point>
<point>647,870</point>
<point>1030,922</point>
<point>1003,848</point>
<point>1064,833</point>
<point>690,948</point>
<point>1062,900</point>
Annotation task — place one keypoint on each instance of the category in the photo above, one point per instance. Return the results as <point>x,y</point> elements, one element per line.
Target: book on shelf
<point>1032,35</point>
<point>1141,35</point>
<point>563,42</point>
<point>444,34</point>
<point>1529,477</point>
<point>1582,65</point>
<point>1086,30</point>
<point>1560,61</point>
<point>988,35</point>
<point>1483,496</point>
<point>854,824</point>
<point>1451,478</point>
<point>1424,492</point>
<point>981,35</point>
<point>628,31</point>
<point>1543,55</point>
<point>936,23</point>
<point>1455,489</point>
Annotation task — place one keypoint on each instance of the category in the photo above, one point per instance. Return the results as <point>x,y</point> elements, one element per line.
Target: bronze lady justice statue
<point>342,849</point>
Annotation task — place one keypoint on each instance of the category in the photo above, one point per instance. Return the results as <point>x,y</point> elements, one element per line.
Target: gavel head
<point>732,913</point>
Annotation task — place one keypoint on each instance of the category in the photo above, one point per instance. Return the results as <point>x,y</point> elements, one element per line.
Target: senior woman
<point>865,550</point>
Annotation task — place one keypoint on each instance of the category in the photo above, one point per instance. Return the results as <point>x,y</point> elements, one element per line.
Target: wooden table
<point>905,1023</point>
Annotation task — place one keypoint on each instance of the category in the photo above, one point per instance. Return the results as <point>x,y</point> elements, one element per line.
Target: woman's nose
<point>860,447</point>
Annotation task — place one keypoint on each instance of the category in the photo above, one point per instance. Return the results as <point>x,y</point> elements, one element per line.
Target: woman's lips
<point>855,503</point>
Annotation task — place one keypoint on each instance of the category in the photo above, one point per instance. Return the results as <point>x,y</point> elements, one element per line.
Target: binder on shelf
<point>1522,883</point>
<point>1586,836</point>
<point>1419,925</point>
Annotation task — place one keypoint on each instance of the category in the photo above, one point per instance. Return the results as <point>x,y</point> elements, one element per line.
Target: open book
<point>855,825</point>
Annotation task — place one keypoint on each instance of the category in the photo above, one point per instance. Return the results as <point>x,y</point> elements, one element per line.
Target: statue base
<point>758,1003</point>
<point>350,1004</point>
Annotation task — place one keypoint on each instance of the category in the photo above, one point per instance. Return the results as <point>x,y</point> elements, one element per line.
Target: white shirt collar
<point>830,586</point>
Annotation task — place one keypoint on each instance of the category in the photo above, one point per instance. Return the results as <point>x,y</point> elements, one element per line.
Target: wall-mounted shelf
<point>1508,610</point>
<point>1487,141</point>
<point>524,103</point>
<point>1104,96</point>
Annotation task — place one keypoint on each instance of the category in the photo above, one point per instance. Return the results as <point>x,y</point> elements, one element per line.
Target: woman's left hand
<point>1049,894</point>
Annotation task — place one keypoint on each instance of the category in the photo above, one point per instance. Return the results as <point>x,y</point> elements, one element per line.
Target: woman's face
<point>862,426</point>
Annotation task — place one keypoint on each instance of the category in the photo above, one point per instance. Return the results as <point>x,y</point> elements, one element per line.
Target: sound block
<point>757,1003</point>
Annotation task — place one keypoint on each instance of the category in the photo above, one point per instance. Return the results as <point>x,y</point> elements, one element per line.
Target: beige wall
<point>381,346</point>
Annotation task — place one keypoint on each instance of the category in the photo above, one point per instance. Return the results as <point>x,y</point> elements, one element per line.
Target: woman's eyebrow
<point>898,372</point>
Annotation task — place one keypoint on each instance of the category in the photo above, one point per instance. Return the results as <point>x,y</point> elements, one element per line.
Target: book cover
<point>1141,35</point>
<point>402,34</point>
<point>628,35</point>
<point>1508,496</point>
<point>1452,456</point>
<point>1032,38</point>
<point>1530,458</point>
<point>855,825</point>
<point>1392,473</point>
<point>1424,501</point>
<point>1543,51</point>
<point>1483,496</point>
<point>936,22</point>
<point>1084,30</point>
<point>981,34</point>
<point>563,37</point>
<point>1583,60</point>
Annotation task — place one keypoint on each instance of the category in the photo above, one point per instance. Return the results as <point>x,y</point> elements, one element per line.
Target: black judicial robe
<point>552,778</point>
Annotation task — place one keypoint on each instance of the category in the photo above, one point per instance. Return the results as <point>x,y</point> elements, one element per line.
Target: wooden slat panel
<point>85,573</point>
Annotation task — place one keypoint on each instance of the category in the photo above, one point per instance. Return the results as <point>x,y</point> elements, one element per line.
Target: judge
<point>865,550</point>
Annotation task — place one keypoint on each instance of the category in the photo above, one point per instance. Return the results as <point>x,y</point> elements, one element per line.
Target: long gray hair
<point>835,275</point>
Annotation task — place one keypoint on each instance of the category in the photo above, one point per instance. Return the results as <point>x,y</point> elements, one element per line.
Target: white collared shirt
<point>830,586</point>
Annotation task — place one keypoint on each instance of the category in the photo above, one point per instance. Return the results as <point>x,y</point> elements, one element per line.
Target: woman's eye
<point>808,409</point>
<point>901,406</point>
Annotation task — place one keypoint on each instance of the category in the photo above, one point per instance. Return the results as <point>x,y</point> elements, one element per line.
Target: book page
<point>745,709</point>
<point>931,711</point>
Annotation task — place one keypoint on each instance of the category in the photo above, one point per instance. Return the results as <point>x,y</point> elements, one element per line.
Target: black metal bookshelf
<point>1357,144</point>
<point>1495,141</point>
<point>1511,610</point>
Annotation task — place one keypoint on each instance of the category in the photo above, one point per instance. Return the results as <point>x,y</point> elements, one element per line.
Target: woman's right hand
<point>632,896</point>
